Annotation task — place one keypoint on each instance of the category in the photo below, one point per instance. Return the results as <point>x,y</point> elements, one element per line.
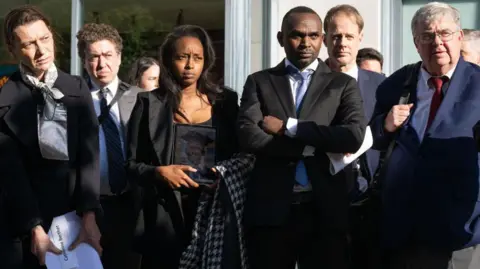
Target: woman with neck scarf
<point>50,115</point>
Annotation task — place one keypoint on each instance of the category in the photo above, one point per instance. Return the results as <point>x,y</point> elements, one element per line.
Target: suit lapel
<point>71,101</point>
<point>317,85</point>
<point>281,87</point>
<point>367,92</point>
<point>125,103</point>
<point>455,89</point>
<point>160,113</point>
<point>21,116</point>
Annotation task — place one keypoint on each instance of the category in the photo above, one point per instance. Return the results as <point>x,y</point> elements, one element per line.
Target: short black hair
<point>298,10</point>
<point>369,54</point>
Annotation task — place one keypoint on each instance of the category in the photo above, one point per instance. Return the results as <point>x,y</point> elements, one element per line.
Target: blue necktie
<point>116,172</point>
<point>302,85</point>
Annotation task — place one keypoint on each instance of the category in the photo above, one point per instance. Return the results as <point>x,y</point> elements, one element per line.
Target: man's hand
<point>89,233</point>
<point>272,125</point>
<point>41,243</point>
<point>396,117</point>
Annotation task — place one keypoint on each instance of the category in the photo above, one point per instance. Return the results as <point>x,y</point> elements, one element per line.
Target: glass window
<point>59,12</point>
<point>469,15</point>
<point>143,24</point>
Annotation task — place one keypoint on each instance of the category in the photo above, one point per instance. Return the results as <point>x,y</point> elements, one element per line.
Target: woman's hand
<point>176,177</point>
<point>214,185</point>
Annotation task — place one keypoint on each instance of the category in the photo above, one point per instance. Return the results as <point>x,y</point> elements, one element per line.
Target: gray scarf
<point>52,120</point>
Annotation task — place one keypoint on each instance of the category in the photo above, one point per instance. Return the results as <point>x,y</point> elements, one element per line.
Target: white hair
<point>472,37</point>
<point>431,12</point>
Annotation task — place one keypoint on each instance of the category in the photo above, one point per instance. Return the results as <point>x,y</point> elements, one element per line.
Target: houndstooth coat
<point>205,249</point>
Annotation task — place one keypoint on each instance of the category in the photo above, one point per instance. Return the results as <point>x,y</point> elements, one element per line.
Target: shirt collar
<point>312,67</point>
<point>353,72</point>
<point>425,76</point>
<point>112,87</point>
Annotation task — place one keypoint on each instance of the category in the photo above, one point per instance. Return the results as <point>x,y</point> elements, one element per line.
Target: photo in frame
<point>194,145</point>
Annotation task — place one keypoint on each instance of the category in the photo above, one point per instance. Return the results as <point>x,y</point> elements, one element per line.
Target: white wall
<point>369,9</point>
<point>256,53</point>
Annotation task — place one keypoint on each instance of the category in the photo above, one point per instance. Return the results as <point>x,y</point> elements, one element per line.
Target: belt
<point>302,197</point>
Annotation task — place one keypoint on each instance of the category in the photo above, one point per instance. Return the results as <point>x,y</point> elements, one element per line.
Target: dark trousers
<point>301,239</point>
<point>117,226</point>
<point>364,224</point>
<point>175,233</point>
<point>417,257</point>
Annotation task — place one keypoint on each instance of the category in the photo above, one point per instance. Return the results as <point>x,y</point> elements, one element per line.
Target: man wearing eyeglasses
<point>430,188</point>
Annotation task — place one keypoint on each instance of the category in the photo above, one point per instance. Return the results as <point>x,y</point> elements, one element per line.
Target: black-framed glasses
<point>429,37</point>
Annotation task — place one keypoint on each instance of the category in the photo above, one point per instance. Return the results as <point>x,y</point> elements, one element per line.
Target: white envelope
<point>338,161</point>
<point>63,231</point>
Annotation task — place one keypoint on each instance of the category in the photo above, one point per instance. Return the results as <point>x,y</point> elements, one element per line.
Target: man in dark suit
<point>100,48</point>
<point>290,116</point>
<point>343,34</point>
<point>430,188</point>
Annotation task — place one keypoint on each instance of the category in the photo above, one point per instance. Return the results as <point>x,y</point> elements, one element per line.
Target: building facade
<point>243,31</point>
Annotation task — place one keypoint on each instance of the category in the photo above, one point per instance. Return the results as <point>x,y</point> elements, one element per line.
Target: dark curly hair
<point>169,82</point>
<point>93,32</point>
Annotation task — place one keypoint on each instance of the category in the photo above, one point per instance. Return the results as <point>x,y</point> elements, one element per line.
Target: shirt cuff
<point>291,127</point>
<point>308,151</point>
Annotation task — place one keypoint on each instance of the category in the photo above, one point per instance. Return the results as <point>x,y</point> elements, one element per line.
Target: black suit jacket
<point>150,144</point>
<point>368,83</point>
<point>58,186</point>
<point>331,119</point>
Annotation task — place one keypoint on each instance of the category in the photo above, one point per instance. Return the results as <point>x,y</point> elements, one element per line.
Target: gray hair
<point>431,12</point>
<point>473,37</point>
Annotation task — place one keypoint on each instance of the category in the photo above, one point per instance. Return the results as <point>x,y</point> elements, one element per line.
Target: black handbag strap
<point>385,156</point>
<point>122,88</point>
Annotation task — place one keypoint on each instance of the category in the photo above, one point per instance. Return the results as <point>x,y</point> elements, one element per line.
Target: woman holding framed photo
<point>186,97</point>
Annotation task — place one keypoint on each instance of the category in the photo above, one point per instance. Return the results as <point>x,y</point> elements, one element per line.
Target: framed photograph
<point>195,146</point>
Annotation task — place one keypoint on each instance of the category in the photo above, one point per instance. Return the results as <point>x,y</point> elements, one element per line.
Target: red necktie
<point>437,83</point>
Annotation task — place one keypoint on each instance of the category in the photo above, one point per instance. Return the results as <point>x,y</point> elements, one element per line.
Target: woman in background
<point>144,73</point>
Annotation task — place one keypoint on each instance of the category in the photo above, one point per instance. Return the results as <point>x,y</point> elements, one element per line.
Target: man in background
<point>100,48</point>
<point>370,59</point>
<point>471,46</point>
<point>343,34</point>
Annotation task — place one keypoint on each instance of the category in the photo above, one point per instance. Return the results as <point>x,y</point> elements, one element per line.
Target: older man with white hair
<point>429,114</point>
<point>471,46</point>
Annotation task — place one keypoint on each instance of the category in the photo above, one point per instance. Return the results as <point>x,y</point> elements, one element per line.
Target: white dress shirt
<point>115,112</point>
<point>424,99</point>
<point>291,122</point>
<point>353,72</point>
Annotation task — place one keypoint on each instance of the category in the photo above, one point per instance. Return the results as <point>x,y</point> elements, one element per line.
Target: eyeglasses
<point>429,37</point>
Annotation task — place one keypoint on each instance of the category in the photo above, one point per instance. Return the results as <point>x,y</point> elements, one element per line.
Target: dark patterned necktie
<point>116,171</point>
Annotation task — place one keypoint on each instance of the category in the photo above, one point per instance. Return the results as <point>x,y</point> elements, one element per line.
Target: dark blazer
<point>150,144</point>
<point>368,83</point>
<point>58,186</point>
<point>15,213</point>
<point>431,188</point>
<point>331,119</point>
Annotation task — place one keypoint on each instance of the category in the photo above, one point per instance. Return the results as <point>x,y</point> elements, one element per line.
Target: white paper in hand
<point>63,231</point>
<point>338,161</point>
